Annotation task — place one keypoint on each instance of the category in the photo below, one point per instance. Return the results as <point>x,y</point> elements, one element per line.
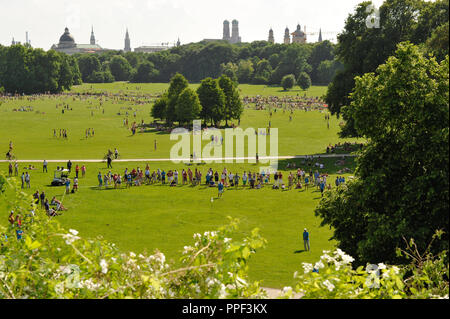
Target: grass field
<point>157,216</point>
<point>157,88</point>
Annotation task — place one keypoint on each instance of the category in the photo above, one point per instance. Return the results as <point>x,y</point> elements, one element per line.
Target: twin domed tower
<point>234,38</point>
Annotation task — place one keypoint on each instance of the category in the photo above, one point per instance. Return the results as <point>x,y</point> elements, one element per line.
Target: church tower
<point>127,42</point>
<point>320,35</point>
<point>178,42</point>
<point>271,38</point>
<point>92,36</point>
<point>226,30</point>
<point>287,36</point>
<point>235,38</point>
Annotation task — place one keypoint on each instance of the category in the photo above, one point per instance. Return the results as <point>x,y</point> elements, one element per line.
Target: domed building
<point>68,45</point>
<point>298,36</point>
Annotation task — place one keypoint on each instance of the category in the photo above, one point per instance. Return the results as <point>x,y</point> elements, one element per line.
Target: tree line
<point>214,101</point>
<point>25,70</point>
<point>259,62</point>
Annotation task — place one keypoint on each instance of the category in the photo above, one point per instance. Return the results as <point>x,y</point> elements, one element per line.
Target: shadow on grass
<point>338,165</point>
<point>299,251</point>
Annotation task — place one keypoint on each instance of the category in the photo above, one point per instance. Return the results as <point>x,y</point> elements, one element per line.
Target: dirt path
<point>181,160</point>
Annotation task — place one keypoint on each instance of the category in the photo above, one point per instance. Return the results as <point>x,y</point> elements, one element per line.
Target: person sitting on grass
<point>59,205</point>
<point>298,185</point>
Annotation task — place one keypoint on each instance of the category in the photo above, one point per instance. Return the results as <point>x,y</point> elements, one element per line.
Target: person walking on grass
<point>44,166</point>
<point>306,239</point>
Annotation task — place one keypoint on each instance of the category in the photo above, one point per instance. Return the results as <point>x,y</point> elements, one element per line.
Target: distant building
<point>287,36</point>
<point>127,42</point>
<point>68,45</point>
<point>271,38</point>
<point>298,36</point>
<point>320,35</point>
<point>234,38</point>
<point>151,49</point>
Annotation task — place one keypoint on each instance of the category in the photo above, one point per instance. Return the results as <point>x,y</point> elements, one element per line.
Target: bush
<point>288,82</point>
<point>304,81</point>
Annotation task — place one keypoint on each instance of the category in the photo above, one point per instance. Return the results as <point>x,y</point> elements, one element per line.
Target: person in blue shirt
<point>100,179</point>
<point>322,187</point>
<point>67,186</point>
<point>306,240</point>
<point>19,233</point>
<point>163,177</point>
<point>220,187</point>
<point>337,181</point>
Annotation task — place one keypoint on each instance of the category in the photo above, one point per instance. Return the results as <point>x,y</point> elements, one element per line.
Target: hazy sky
<point>152,22</point>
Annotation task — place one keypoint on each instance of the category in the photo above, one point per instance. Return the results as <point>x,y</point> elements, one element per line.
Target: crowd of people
<point>300,179</point>
<point>285,102</point>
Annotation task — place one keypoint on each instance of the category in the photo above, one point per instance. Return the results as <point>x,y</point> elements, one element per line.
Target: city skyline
<point>148,23</point>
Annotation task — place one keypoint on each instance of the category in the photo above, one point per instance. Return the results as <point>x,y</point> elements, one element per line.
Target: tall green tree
<point>177,84</point>
<point>120,68</point>
<point>288,82</point>
<point>145,73</point>
<point>159,109</point>
<point>212,100</point>
<point>401,189</point>
<point>362,49</point>
<point>233,103</point>
<point>304,81</point>
<point>88,64</point>
<point>188,106</point>
<point>245,71</point>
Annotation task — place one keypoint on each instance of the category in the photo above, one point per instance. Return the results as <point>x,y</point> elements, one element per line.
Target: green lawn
<point>157,88</point>
<point>150,217</point>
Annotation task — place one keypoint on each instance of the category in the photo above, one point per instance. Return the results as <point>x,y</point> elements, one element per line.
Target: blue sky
<point>152,22</point>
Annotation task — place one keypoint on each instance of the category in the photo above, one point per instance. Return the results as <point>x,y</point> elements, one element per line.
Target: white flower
<point>132,254</point>
<point>307,267</point>
<point>104,266</point>
<point>113,259</point>
<point>73,231</point>
<point>295,274</point>
<point>226,240</point>
<point>319,265</point>
<point>381,266</point>
<point>347,259</point>
<point>327,258</point>
<point>329,285</point>
<point>395,269</point>
<point>70,238</point>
